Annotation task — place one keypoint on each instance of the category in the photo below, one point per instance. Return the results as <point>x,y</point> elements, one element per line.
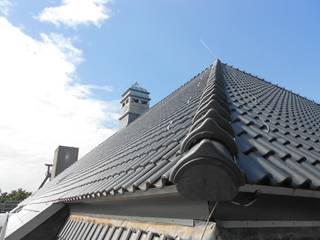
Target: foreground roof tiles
<point>277,132</point>
<point>76,229</point>
<point>91,228</point>
<point>276,135</point>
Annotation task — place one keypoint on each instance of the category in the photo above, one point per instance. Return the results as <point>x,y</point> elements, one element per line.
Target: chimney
<point>134,102</point>
<point>63,158</point>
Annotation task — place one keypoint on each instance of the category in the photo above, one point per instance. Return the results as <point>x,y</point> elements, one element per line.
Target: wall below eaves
<point>268,208</point>
<point>300,233</point>
<point>267,217</point>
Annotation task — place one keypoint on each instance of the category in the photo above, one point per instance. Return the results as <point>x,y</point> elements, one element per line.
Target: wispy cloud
<point>43,105</point>
<point>203,43</point>
<point>5,6</point>
<point>76,12</point>
<point>104,88</point>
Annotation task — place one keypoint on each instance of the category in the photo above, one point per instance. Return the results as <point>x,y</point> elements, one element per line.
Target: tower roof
<point>136,86</point>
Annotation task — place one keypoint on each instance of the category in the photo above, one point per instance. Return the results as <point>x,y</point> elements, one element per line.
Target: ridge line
<point>207,169</point>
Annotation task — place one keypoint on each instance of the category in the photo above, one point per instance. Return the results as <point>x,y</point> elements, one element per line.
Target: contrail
<point>206,46</point>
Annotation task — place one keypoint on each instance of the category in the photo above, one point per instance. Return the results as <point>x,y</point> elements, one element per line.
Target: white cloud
<point>71,53</point>
<point>75,12</point>
<point>5,6</point>
<point>42,105</point>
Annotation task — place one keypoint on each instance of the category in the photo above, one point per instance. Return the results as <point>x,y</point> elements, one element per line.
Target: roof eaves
<point>280,191</point>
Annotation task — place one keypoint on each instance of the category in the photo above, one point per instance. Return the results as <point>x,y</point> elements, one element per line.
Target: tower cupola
<point>134,102</point>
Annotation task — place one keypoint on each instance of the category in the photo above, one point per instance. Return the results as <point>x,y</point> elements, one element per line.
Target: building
<point>134,103</point>
<point>226,156</point>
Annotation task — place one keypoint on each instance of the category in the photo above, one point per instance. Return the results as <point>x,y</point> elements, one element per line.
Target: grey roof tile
<point>289,145</point>
<point>78,229</point>
<point>277,134</point>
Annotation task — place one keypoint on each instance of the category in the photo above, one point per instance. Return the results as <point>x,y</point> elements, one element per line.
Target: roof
<point>272,133</point>
<point>75,229</point>
<point>277,132</point>
<point>22,221</point>
<point>136,86</point>
<point>108,229</point>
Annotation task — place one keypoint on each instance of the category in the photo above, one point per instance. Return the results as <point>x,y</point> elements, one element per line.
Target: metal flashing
<point>165,207</point>
<point>285,191</point>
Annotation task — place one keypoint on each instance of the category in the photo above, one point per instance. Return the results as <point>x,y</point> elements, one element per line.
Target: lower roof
<point>83,227</point>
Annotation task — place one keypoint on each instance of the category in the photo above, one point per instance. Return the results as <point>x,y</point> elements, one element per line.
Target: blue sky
<point>160,43</point>
<point>90,55</point>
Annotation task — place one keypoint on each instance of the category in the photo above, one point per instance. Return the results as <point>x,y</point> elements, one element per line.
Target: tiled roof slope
<point>74,229</point>
<point>89,228</point>
<point>276,133</point>
<point>139,156</point>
